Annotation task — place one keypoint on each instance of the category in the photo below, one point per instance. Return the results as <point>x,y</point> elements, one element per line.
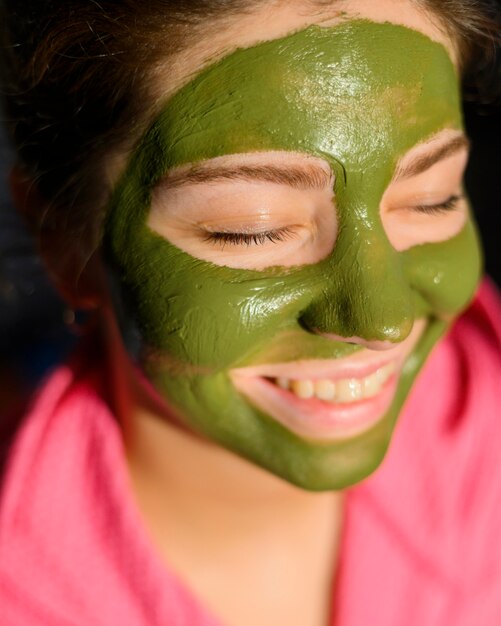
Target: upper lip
<point>347,367</point>
<point>358,364</point>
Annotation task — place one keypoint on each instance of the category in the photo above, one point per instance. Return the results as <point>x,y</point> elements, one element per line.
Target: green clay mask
<point>359,96</point>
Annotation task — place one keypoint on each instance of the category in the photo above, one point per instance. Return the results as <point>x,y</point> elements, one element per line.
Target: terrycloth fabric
<point>421,542</point>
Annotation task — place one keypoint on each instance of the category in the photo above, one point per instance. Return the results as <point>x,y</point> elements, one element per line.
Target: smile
<point>343,391</point>
<point>329,400</point>
<point>322,407</point>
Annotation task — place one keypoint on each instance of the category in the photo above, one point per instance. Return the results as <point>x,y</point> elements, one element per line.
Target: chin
<point>321,466</point>
<point>324,449</point>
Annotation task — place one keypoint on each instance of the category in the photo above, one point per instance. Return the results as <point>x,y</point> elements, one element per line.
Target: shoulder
<point>72,542</point>
<point>57,431</point>
<point>428,520</point>
<point>54,489</point>
<point>440,484</point>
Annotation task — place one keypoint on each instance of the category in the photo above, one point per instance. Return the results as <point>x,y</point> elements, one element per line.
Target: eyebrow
<point>423,163</point>
<point>303,177</point>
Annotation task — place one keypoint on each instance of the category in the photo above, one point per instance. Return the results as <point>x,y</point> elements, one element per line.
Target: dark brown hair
<point>75,77</point>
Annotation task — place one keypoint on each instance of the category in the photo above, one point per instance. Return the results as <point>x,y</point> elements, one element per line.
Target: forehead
<point>353,93</point>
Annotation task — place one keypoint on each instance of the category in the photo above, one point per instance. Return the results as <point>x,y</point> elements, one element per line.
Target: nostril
<point>374,344</point>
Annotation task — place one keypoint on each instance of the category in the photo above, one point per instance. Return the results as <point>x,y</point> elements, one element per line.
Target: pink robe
<point>421,544</point>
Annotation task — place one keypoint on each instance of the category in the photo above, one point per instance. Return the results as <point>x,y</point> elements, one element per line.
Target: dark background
<point>33,332</point>
<point>483,180</point>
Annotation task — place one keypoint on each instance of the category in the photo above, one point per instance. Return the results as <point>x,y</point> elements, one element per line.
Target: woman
<point>264,204</point>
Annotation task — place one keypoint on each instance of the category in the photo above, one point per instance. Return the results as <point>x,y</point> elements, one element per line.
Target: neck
<point>196,497</point>
<point>196,475</point>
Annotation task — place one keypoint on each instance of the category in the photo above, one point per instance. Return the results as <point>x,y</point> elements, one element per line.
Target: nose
<point>366,297</point>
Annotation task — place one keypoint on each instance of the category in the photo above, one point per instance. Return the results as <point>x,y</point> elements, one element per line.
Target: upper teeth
<point>341,391</point>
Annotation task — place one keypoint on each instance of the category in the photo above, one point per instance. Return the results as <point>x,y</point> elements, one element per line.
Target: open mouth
<point>329,399</point>
<point>343,391</point>
<point>323,408</point>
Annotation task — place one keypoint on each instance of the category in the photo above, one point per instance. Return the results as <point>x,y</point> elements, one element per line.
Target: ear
<point>77,273</point>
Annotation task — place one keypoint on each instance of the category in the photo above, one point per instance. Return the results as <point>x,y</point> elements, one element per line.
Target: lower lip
<point>313,418</point>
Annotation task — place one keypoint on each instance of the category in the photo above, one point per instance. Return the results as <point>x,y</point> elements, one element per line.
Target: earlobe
<point>76,272</point>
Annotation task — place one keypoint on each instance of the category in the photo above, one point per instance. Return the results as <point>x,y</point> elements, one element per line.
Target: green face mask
<point>358,95</point>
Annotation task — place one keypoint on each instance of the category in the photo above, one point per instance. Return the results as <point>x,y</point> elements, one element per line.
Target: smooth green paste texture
<point>358,95</point>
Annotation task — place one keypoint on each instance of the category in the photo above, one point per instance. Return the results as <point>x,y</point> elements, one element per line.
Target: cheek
<point>445,275</point>
<point>201,314</point>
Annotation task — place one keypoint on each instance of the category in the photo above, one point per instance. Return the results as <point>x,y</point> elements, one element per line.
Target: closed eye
<point>250,239</point>
<point>441,208</point>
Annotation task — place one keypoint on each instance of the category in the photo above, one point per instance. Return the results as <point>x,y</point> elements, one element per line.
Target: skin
<point>196,321</point>
<point>222,523</point>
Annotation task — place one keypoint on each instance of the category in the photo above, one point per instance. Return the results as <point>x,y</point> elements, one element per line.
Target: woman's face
<point>291,238</point>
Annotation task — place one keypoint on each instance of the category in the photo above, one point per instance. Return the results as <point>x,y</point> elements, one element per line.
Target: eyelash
<point>282,234</point>
<point>249,239</point>
<point>439,209</point>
